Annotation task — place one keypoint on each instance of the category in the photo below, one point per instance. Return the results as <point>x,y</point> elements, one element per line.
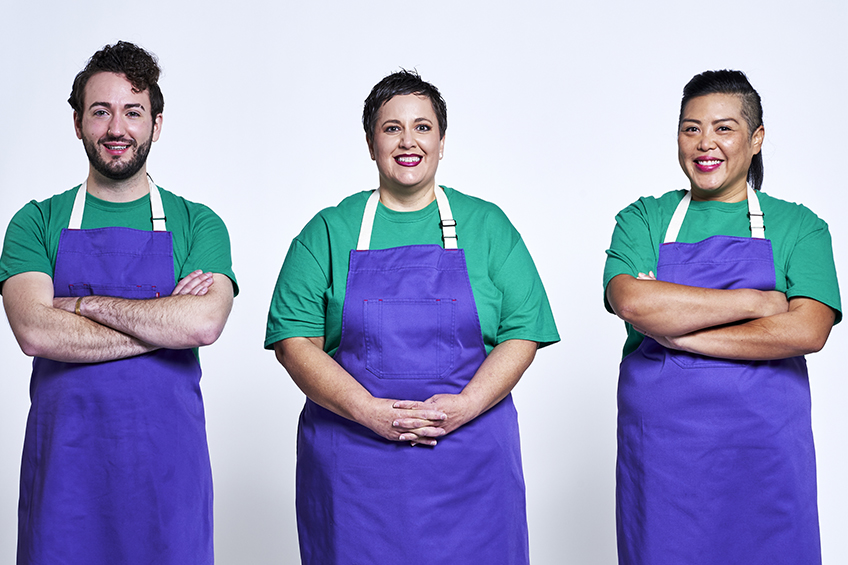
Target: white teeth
<point>710,162</point>
<point>409,159</point>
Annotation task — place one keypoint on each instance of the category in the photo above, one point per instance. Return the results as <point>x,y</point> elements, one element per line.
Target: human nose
<point>407,139</point>
<point>116,126</point>
<point>706,141</point>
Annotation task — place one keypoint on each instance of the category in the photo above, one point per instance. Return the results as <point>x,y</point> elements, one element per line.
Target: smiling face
<point>406,145</point>
<point>116,126</point>
<point>715,147</point>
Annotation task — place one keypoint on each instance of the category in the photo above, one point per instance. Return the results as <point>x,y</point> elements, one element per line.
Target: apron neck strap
<point>755,217</point>
<point>157,210</point>
<point>446,221</point>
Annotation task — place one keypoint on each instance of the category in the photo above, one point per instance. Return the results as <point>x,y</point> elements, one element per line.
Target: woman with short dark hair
<point>407,315</point>
<point>724,290</point>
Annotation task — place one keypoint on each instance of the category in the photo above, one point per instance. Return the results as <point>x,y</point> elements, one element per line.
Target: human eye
<point>100,113</point>
<point>391,129</point>
<point>423,127</point>
<point>689,129</point>
<point>133,114</point>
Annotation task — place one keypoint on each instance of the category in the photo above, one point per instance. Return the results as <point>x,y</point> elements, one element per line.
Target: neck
<point>737,194</point>
<point>407,200</point>
<point>125,190</point>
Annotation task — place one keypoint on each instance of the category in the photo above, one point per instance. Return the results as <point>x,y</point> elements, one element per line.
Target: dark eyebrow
<point>109,106</point>
<point>718,121</point>
<point>417,120</point>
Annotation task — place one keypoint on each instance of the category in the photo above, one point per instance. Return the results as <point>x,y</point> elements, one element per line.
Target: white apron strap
<point>755,217</point>
<point>368,221</point>
<point>157,210</point>
<point>677,218</point>
<point>446,221</point>
<point>79,207</point>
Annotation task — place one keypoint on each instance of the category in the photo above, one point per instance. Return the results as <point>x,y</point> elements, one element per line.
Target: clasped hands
<point>420,423</point>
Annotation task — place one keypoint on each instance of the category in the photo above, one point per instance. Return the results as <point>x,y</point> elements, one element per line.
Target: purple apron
<point>115,466</point>
<point>715,457</point>
<point>410,330</point>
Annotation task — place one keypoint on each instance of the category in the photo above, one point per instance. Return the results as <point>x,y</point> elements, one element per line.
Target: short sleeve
<point>633,248</point>
<point>209,245</point>
<point>297,305</point>
<point>525,310</point>
<point>25,247</point>
<point>810,269</point>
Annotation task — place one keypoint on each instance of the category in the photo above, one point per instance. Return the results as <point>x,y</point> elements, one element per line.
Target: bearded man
<point>112,286</point>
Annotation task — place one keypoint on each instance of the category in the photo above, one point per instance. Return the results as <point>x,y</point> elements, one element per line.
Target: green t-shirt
<point>199,236</point>
<point>511,301</point>
<point>803,255</point>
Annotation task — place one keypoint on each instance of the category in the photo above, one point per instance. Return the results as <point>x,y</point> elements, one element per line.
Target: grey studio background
<point>560,112</point>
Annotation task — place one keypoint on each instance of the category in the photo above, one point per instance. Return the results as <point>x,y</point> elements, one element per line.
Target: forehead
<point>115,89</point>
<point>407,105</point>
<point>714,105</point>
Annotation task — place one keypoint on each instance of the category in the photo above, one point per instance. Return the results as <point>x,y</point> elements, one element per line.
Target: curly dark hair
<point>731,82</point>
<point>139,66</point>
<point>398,84</point>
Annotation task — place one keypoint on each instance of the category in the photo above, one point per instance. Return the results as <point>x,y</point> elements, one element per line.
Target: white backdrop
<point>560,112</point>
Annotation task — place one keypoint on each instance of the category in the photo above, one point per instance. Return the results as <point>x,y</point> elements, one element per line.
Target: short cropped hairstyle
<point>398,84</point>
<point>731,82</point>
<point>139,66</point>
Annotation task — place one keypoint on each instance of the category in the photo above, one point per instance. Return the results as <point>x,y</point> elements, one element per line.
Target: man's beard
<point>116,170</point>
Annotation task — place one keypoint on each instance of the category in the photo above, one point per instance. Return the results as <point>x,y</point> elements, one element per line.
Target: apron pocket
<point>409,338</point>
<point>134,291</point>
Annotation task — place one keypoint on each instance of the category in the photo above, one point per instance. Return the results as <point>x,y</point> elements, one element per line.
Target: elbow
<point>208,333</point>
<point>630,309</point>
<point>31,344</point>
<point>31,349</point>
<point>627,304</point>
<point>815,343</point>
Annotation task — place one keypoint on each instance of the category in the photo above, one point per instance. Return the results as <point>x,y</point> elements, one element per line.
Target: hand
<point>396,423</point>
<point>669,342</point>
<point>649,277</point>
<point>194,284</point>
<point>775,303</point>
<point>456,407</point>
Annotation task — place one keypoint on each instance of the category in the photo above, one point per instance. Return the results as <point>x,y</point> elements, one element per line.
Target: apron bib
<point>115,466</point>
<point>410,330</point>
<point>715,456</point>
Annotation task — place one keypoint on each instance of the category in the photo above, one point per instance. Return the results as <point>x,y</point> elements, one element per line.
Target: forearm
<point>662,308</point>
<point>172,322</point>
<point>44,331</point>
<point>321,378</point>
<point>327,384</point>
<point>802,330</point>
<point>77,340</point>
<point>498,374</point>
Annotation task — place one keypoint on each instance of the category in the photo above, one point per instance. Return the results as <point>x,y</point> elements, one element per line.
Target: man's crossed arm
<point>111,328</point>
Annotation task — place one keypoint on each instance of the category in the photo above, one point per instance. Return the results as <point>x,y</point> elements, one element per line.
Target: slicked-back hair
<point>731,82</point>
<point>398,84</point>
<point>139,66</point>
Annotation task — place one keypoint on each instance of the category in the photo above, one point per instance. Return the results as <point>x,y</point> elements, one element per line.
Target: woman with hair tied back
<point>406,315</point>
<point>723,289</point>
